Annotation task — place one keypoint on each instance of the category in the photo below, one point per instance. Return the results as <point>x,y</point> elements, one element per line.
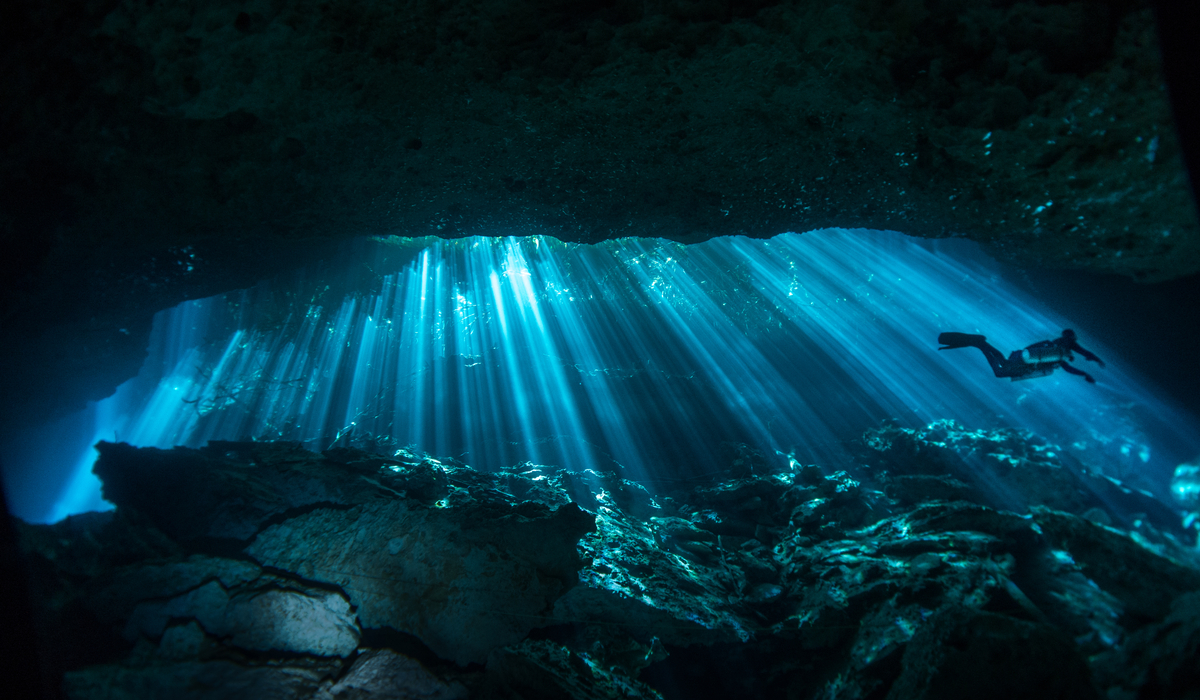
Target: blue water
<point>662,360</point>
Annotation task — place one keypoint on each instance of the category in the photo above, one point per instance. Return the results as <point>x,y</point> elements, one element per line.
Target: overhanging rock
<point>172,150</point>
<point>1041,129</point>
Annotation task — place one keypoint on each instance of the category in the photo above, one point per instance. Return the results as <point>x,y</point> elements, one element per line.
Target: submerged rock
<point>546,669</point>
<point>382,673</point>
<point>352,575</point>
<point>1004,468</point>
<point>191,680</point>
<point>963,652</point>
<point>462,582</point>
<point>1160,660</point>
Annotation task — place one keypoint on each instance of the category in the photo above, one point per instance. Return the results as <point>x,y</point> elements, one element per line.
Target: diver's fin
<point>961,340</point>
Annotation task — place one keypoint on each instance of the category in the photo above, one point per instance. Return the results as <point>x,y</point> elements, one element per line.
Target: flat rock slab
<point>463,589</point>
<point>231,600</point>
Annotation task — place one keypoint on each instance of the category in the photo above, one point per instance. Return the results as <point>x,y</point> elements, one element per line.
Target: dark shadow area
<point>1153,327</point>
<point>1178,26</point>
<point>406,644</point>
<point>25,676</point>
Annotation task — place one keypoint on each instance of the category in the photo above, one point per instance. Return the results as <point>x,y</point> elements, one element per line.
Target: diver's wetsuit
<point>1037,360</point>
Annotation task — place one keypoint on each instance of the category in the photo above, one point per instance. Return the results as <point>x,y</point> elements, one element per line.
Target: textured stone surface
<point>946,461</point>
<point>257,620</point>
<point>126,587</point>
<point>963,652</point>
<point>785,580</point>
<point>386,674</point>
<point>546,669</point>
<point>1163,659</point>
<point>234,601</point>
<point>213,680</point>
<point>686,119</point>
<point>230,490</point>
<point>462,585</point>
<point>164,151</point>
<point>413,549</point>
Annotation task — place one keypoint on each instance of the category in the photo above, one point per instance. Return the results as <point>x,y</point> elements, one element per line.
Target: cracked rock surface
<point>350,574</point>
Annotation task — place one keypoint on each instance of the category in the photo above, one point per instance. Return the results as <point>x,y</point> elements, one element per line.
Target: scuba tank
<point>1045,351</point>
<point>1034,372</point>
<point>1017,368</point>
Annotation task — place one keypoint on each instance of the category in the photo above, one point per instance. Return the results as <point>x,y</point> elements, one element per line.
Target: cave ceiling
<point>158,151</point>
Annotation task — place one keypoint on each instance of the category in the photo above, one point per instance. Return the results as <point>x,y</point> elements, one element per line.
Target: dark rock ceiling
<point>157,151</point>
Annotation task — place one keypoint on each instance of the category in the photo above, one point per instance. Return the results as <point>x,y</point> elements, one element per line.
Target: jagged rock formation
<point>264,570</point>
<point>164,151</point>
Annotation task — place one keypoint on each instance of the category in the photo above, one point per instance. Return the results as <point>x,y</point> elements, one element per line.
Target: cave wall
<point>168,150</point>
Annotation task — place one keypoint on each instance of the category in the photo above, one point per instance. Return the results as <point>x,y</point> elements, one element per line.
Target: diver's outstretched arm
<point>1072,370</point>
<point>994,357</point>
<point>1075,347</point>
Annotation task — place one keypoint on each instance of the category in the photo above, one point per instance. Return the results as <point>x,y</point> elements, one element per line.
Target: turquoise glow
<point>659,357</point>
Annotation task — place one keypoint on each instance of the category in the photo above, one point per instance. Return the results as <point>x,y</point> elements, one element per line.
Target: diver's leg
<point>1071,370</point>
<point>966,340</point>
<point>960,340</point>
<point>995,358</point>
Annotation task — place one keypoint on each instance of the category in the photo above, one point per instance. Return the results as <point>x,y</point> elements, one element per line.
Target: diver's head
<point>1068,334</point>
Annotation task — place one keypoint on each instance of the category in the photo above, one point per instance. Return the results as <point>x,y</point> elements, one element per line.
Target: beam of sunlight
<point>667,360</point>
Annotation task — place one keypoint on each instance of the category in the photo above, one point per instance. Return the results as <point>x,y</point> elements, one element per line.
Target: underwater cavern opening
<point>623,463</point>
<point>662,361</point>
<point>611,434</point>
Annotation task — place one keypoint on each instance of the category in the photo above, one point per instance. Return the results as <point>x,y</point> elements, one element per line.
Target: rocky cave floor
<point>951,563</point>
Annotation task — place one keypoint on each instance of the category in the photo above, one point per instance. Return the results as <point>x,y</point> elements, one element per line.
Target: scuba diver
<point>1037,360</point>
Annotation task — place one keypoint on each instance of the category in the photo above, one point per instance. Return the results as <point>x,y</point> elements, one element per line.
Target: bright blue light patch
<point>666,359</point>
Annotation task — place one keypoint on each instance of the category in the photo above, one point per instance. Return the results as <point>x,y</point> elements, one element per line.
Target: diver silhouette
<point>1037,360</point>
